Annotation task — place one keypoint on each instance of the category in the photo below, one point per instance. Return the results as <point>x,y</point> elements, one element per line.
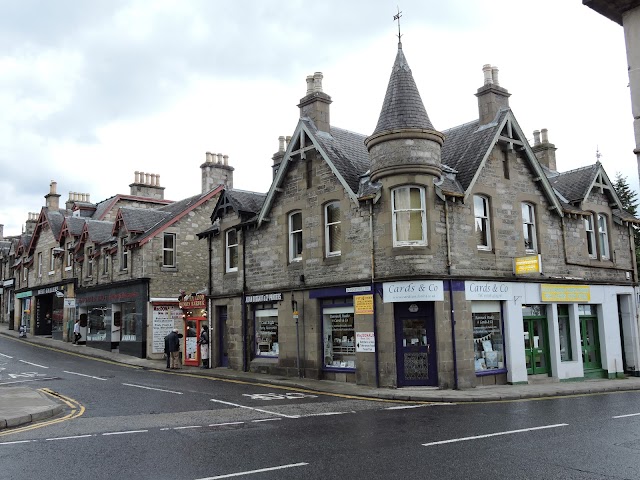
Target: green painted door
<point>536,339</point>
<point>590,338</point>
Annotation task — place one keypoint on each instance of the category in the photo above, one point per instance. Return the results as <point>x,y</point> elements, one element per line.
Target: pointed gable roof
<point>575,185</point>
<point>402,107</point>
<point>245,204</point>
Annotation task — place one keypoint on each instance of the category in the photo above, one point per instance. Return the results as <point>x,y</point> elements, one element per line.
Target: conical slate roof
<point>402,107</point>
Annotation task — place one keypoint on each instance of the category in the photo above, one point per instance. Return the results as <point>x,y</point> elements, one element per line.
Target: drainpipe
<point>243,304</point>
<point>373,291</point>
<point>210,242</point>
<point>451,306</point>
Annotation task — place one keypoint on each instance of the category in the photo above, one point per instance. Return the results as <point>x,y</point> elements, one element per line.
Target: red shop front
<point>194,313</point>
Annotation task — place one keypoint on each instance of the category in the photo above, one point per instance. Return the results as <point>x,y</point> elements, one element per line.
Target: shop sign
<point>193,301</point>
<point>528,264</point>
<point>414,291</point>
<point>565,293</point>
<point>164,320</point>
<point>366,288</point>
<point>24,294</point>
<point>264,298</point>
<point>44,291</point>
<point>487,290</point>
<point>8,283</point>
<point>365,342</point>
<point>363,304</point>
<point>69,303</point>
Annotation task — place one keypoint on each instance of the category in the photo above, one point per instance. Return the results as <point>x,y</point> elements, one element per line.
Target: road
<point>156,424</point>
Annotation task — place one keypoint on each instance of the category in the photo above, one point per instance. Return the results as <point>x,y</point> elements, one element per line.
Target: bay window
<point>409,216</point>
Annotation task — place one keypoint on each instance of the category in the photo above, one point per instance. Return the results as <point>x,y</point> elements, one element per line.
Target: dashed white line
<point>249,472</point>
<point>190,426</point>
<point>29,380</point>
<point>3,355</point>
<point>83,375</point>
<point>322,414</point>
<point>254,409</point>
<point>224,424</point>
<point>125,433</point>
<point>266,420</point>
<point>34,364</point>
<point>68,438</point>
<point>150,388</point>
<point>18,441</point>
<point>628,415</point>
<point>453,440</point>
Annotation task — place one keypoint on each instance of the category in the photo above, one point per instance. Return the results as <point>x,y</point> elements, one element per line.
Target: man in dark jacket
<point>172,347</point>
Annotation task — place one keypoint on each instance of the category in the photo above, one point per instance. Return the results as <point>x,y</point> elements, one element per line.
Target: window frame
<point>172,250</point>
<point>592,242</point>
<point>529,227</point>
<point>52,260</point>
<point>39,264</point>
<point>603,237</point>
<point>89,261</point>
<point>105,262</point>
<point>295,238</point>
<point>328,229</point>
<point>423,216</point>
<point>69,254</point>
<point>229,249</point>
<point>124,256</point>
<point>485,219</point>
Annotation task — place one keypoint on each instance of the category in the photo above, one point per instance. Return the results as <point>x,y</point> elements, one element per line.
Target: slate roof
<point>75,225</point>
<point>55,219</point>
<point>99,231</point>
<point>142,219</point>
<point>402,107</point>
<point>574,184</point>
<point>245,202</point>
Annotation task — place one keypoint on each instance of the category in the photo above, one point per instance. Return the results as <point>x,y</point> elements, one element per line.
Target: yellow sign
<point>565,293</point>
<point>528,264</point>
<point>363,304</point>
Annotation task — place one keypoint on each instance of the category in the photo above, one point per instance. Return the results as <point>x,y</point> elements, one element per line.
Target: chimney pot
<point>157,180</point>
<point>488,79</point>
<point>52,187</point>
<point>545,135</point>
<point>536,137</point>
<point>219,161</point>
<point>494,76</point>
<point>317,82</point>
<point>147,178</point>
<point>288,141</point>
<point>281,144</point>
<point>309,84</point>
<point>226,159</point>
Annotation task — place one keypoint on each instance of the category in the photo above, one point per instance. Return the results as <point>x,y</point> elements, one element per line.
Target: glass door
<point>536,342</point>
<point>416,352</point>
<point>590,338</point>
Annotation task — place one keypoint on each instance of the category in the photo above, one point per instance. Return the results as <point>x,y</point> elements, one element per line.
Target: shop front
<point>113,318</point>
<point>7,302</point>
<point>415,329</point>
<point>194,313</point>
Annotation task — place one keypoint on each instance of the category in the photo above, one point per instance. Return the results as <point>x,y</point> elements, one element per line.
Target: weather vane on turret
<point>397,17</point>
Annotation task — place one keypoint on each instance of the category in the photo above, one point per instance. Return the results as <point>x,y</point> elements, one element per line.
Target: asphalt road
<point>139,423</point>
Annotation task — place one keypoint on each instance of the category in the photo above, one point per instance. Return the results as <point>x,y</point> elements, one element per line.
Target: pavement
<point>20,405</point>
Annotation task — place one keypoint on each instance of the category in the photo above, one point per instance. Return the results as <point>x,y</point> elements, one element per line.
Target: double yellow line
<point>77,410</point>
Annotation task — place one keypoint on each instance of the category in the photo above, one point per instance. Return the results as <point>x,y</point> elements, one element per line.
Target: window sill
<point>232,270</point>
<point>168,269</point>
<point>484,251</point>
<point>411,250</point>
<point>52,273</point>
<point>67,269</point>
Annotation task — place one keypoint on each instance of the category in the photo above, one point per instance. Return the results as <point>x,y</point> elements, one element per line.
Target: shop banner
<point>365,342</point>
<point>487,290</point>
<point>165,319</point>
<point>414,291</point>
<point>528,264</point>
<point>565,293</point>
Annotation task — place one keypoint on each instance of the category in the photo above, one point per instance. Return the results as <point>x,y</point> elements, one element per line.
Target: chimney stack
<point>147,185</point>
<point>53,198</point>
<point>544,150</point>
<point>216,171</point>
<point>315,104</point>
<point>30,224</point>
<point>491,96</point>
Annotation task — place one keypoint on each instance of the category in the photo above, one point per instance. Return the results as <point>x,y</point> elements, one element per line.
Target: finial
<point>397,17</point>
<point>598,154</point>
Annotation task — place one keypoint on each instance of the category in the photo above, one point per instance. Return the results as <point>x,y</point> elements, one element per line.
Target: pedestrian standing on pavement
<point>76,332</point>
<point>204,346</point>
<point>167,353</point>
<point>174,348</point>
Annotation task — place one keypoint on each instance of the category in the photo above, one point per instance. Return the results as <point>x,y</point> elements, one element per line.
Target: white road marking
<point>124,433</point>
<point>34,364</point>
<point>224,424</point>
<point>68,438</point>
<point>266,420</point>
<point>83,375</point>
<point>629,415</point>
<point>453,440</point>
<point>249,472</point>
<point>17,441</point>
<point>402,407</point>
<point>323,414</point>
<point>190,426</point>
<point>150,388</point>
<point>3,355</point>
<point>30,380</point>
<point>255,409</point>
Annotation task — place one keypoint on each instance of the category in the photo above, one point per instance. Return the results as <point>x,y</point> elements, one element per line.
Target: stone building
<point>118,265</point>
<point>414,256</point>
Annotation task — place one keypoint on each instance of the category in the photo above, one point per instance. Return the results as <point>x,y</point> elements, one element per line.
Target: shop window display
<point>129,320</point>
<point>487,336</point>
<point>98,322</point>
<point>266,321</point>
<point>339,337</point>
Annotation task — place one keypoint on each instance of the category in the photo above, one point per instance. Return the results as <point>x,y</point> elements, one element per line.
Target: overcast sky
<point>91,91</point>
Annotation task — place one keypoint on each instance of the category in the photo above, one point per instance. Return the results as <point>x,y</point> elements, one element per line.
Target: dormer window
<point>124,254</point>
<point>591,237</point>
<point>603,237</point>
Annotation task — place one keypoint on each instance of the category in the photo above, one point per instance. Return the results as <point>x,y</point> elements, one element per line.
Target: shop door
<point>223,337</point>
<point>536,340</point>
<point>415,344</point>
<point>590,339</point>
<point>191,352</point>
